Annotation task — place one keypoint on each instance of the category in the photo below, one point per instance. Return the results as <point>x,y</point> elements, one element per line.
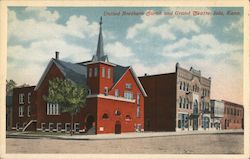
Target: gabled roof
<point>118,71</point>
<point>73,72</point>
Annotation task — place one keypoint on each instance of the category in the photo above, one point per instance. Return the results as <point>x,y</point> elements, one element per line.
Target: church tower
<point>99,70</point>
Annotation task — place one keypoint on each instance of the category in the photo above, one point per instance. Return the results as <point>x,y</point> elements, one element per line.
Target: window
<point>128,95</point>
<point>117,113</point>
<point>21,111</point>
<point>180,102</point>
<point>105,116</point>
<point>184,103</point>
<point>180,85</point>
<point>117,93</point>
<point>96,72</point>
<point>51,126</point>
<point>67,126</point>
<point>184,86</point>
<point>28,111</point>
<point>128,85</point>
<point>138,113</point>
<point>89,91</point>
<point>187,104</point>
<point>106,91</point>
<point>187,86</point>
<point>103,72</point>
<point>21,98</point>
<point>138,99</point>
<point>59,126</point>
<point>29,98</point>
<point>128,118</point>
<point>43,126</point>
<point>77,127</point>
<point>17,126</point>
<point>90,72</point>
<point>108,73</point>
<point>52,109</point>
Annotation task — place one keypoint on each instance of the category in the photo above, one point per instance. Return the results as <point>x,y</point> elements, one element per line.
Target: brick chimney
<point>57,55</point>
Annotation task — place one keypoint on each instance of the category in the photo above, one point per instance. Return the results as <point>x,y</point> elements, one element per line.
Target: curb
<point>22,136</point>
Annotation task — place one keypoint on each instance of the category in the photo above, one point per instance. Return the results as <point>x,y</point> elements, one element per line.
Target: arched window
<point>117,113</point>
<point>180,85</point>
<point>180,102</point>
<point>128,118</point>
<point>105,116</point>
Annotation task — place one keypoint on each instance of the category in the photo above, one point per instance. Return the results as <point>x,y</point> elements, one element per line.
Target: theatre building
<point>177,101</point>
<point>233,116</point>
<point>115,100</point>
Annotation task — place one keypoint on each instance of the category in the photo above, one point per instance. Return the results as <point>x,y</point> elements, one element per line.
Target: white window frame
<point>96,72</point>
<point>108,73</point>
<point>138,99</point>
<point>17,126</point>
<point>106,91</point>
<point>28,111</point>
<point>76,124</point>
<point>89,91</point>
<point>29,97</point>
<point>43,126</point>
<point>53,109</point>
<point>128,95</point>
<point>57,126</point>
<point>103,72</point>
<point>50,126</point>
<point>66,127</point>
<point>138,111</point>
<point>90,72</point>
<point>128,86</point>
<point>21,111</point>
<point>117,92</point>
<point>21,98</point>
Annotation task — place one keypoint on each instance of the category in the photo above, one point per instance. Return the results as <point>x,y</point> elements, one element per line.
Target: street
<point>185,144</point>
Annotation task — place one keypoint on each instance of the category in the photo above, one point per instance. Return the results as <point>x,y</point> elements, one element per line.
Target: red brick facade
<point>233,116</point>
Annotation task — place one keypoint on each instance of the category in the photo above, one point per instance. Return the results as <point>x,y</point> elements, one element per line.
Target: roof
<point>74,72</point>
<point>118,72</point>
<point>9,101</point>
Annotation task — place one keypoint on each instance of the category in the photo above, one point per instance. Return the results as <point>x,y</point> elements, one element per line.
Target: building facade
<point>114,104</point>
<point>233,116</point>
<point>177,101</point>
<point>217,113</point>
<point>23,107</point>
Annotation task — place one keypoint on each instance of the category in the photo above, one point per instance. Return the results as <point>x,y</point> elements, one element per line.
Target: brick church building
<point>115,100</point>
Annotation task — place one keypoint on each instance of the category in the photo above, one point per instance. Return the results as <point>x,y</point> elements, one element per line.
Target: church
<point>114,104</point>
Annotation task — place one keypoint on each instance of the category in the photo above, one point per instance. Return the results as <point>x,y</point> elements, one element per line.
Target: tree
<point>10,84</point>
<point>69,96</point>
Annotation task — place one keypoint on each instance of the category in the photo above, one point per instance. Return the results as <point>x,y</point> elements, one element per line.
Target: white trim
<point>75,127</point>
<point>111,97</point>
<point>137,81</point>
<point>31,121</point>
<point>44,74</point>
<point>107,63</point>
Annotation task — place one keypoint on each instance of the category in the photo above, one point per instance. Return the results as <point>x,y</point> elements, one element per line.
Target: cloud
<point>42,26</point>
<point>35,58</point>
<point>171,25</point>
<point>42,14</point>
<point>121,54</point>
<point>235,26</point>
<point>202,44</point>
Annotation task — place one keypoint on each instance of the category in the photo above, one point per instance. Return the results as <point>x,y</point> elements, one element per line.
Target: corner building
<point>115,100</point>
<point>177,101</point>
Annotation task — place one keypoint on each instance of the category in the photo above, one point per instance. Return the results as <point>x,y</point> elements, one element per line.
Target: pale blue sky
<point>151,44</point>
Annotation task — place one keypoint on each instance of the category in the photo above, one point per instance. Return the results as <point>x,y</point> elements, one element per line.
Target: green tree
<point>69,96</point>
<point>10,84</point>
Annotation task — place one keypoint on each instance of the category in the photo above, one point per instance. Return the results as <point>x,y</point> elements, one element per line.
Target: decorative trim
<point>107,63</point>
<point>111,97</point>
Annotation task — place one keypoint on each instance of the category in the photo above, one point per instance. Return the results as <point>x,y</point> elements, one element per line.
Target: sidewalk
<point>120,136</point>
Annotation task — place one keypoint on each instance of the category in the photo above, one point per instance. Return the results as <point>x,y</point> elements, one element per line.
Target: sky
<point>150,39</point>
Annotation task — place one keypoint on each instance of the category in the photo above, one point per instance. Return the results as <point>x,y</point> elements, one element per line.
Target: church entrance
<point>117,127</point>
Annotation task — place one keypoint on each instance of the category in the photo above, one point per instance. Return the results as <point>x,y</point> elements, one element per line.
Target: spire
<point>99,51</point>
